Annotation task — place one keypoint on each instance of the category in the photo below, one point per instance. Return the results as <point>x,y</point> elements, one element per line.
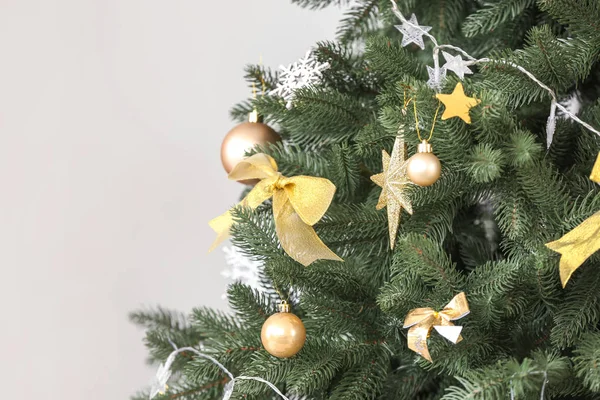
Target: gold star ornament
<point>457,104</point>
<point>393,182</point>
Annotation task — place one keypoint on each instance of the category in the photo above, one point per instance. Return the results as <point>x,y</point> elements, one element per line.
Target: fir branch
<point>445,17</point>
<point>316,369</point>
<point>252,307</point>
<point>348,72</point>
<point>213,323</point>
<point>293,160</point>
<point>524,379</point>
<point>319,4</point>
<point>428,260</point>
<point>492,15</point>
<point>348,227</point>
<point>358,20</point>
<point>342,279</point>
<point>159,317</point>
<point>522,149</point>
<point>580,309</point>
<point>254,233</point>
<point>345,171</point>
<point>587,360</point>
<point>485,163</point>
<point>514,214</point>
<point>363,381</point>
<point>390,60</point>
<point>494,278</point>
<point>330,315</point>
<point>261,79</point>
<point>581,16</point>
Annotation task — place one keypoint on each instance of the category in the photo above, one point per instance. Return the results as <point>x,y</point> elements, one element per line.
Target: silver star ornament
<point>413,32</point>
<point>456,64</point>
<point>437,78</point>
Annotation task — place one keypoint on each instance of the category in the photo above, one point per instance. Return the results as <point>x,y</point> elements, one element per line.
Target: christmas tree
<point>482,284</point>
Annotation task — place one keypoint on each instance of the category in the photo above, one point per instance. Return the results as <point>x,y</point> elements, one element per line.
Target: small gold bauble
<point>424,168</point>
<point>242,138</point>
<point>283,334</point>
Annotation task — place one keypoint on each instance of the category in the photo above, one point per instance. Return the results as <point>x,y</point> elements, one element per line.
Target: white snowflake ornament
<point>456,64</point>
<point>437,78</point>
<point>572,103</point>
<point>241,268</point>
<point>413,32</point>
<point>305,72</point>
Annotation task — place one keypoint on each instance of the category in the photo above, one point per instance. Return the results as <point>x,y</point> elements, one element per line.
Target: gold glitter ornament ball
<point>424,168</point>
<point>244,137</point>
<point>283,334</point>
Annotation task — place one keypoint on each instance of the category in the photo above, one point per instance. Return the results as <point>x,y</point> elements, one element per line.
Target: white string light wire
<point>551,124</point>
<point>164,373</point>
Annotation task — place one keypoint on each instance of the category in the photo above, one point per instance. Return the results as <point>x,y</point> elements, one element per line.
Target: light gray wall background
<point>111,117</point>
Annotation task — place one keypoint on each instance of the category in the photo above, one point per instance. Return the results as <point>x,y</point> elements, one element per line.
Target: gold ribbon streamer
<point>422,320</point>
<point>299,202</point>
<point>595,175</point>
<point>577,246</point>
<point>581,242</point>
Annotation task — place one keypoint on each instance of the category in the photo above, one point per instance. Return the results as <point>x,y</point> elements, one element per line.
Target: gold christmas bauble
<point>424,168</point>
<point>283,334</point>
<point>242,138</point>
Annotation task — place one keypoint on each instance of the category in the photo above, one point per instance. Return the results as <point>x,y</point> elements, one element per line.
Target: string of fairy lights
<point>413,33</point>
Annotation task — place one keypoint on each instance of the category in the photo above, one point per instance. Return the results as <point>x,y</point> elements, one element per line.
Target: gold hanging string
<point>262,81</point>
<point>281,296</point>
<point>432,124</point>
<point>406,101</point>
<point>254,117</point>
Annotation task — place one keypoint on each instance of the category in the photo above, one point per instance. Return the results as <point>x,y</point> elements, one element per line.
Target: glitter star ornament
<point>437,78</point>
<point>305,72</point>
<point>393,182</point>
<point>413,32</point>
<point>456,64</point>
<point>457,104</point>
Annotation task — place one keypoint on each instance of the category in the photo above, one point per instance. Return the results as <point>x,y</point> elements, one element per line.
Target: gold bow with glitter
<point>299,202</point>
<point>581,242</point>
<point>421,320</point>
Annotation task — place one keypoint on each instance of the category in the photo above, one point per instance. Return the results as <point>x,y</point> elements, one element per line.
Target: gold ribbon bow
<point>581,242</point>
<point>299,202</point>
<point>421,320</point>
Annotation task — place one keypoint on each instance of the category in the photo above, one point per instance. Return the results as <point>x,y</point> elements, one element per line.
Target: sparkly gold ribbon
<point>299,202</point>
<point>595,175</point>
<point>581,242</point>
<point>421,320</point>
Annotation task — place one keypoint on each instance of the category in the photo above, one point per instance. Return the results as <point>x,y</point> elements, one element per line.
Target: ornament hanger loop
<point>284,307</point>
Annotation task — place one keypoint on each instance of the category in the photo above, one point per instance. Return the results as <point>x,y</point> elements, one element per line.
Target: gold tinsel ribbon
<point>422,320</point>
<point>581,242</point>
<point>299,202</point>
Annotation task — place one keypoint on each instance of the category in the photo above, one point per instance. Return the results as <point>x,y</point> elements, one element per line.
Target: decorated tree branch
<point>421,215</point>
